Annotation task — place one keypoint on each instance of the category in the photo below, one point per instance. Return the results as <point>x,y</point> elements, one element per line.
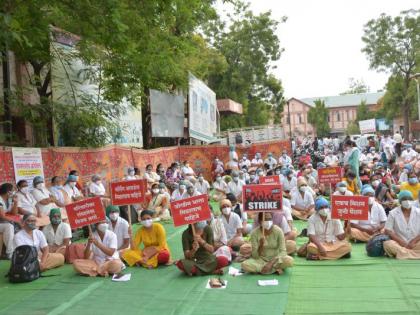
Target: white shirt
<point>177,195</point>
<point>120,230</point>
<point>151,177</point>
<point>37,240</point>
<point>187,171</point>
<point>347,193</point>
<point>302,202</point>
<point>257,162</point>
<point>57,238</point>
<point>235,188</point>
<point>26,201</point>
<point>220,185</point>
<point>397,138</point>
<point>397,223</point>
<point>41,194</point>
<point>57,192</point>
<point>232,226</point>
<point>110,241</point>
<point>289,185</point>
<point>326,232</point>
<point>203,187</point>
<point>331,160</point>
<point>97,190</point>
<point>408,156</point>
<point>245,162</point>
<point>285,160</point>
<point>272,162</point>
<point>72,192</point>
<point>376,216</point>
<point>219,231</point>
<point>4,206</point>
<point>186,195</point>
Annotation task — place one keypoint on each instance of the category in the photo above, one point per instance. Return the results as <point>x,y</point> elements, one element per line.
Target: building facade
<point>342,110</point>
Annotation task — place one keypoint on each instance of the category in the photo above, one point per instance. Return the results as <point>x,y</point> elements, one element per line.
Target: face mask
<point>40,186</point>
<point>260,174</point>
<point>252,176</point>
<point>373,152</point>
<point>342,189</point>
<point>302,188</point>
<point>162,190</point>
<point>114,216</point>
<point>371,200</point>
<point>147,223</point>
<point>235,179</point>
<point>413,180</point>
<point>218,179</point>
<point>244,158</point>
<point>201,225</point>
<point>284,155</point>
<point>131,173</point>
<point>24,190</point>
<point>103,227</point>
<point>405,171</point>
<point>55,221</point>
<point>226,211</point>
<point>406,204</point>
<point>72,184</point>
<point>98,182</point>
<point>148,171</point>
<point>324,212</point>
<point>182,187</point>
<point>375,183</point>
<point>267,225</point>
<point>278,172</point>
<point>155,191</point>
<point>31,226</point>
<point>200,179</point>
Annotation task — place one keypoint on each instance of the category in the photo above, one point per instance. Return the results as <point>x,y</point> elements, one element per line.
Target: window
<point>328,118</point>
<point>288,119</point>
<point>338,116</point>
<point>300,118</point>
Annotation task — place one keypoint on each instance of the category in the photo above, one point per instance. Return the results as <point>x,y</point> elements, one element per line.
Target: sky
<point>322,42</point>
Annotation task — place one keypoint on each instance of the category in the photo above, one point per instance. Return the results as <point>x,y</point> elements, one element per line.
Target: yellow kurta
<point>156,237</point>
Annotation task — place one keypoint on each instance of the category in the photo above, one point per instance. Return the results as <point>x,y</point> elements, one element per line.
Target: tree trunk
<point>146,120</point>
<point>406,108</point>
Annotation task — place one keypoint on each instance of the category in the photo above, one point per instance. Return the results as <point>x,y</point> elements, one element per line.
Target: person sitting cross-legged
<point>268,248</point>
<point>326,235</point>
<point>148,247</point>
<point>101,254</point>
<point>403,227</point>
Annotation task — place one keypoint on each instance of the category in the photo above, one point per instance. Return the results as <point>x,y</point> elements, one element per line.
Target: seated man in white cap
<point>403,227</point>
<point>342,190</point>
<point>363,230</point>
<point>326,235</point>
<point>302,201</point>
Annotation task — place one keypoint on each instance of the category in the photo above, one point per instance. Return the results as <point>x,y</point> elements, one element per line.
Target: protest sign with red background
<point>128,192</point>
<point>270,179</point>
<point>190,210</point>
<point>349,207</point>
<point>85,212</point>
<point>330,175</point>
<point>267,197</point>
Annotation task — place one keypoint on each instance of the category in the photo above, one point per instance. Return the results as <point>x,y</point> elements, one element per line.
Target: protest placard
<point>330,175</point>
<point>85,212</point>
<point>190,210</point>
<point>275,179</point>
<point>128,192</point>
<point>349,207</point>
<point>267,197</point>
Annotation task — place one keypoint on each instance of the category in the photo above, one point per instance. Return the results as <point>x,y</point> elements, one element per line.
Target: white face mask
<point>371,200</point>
<point>267,225</point>
<point>406,204</point>
<point>24,190</point>
<point>162,190</point>
<point>40,186</point>
<point>131,173</point>
<point>324,212</point>
<point>102,227</point>
<point>182,187</point>
<point>114,216</point>
<point>302,188</point>
<point>200,179</point>
<point>260,174</point>
<point>155,191</point>
<point>226,211</point>
<point>342,189</point>
<point>72,184</point>
<point>235,179</point>
<point>375,183</point>
<point>147,223</point>
<point>98,182</point>
<point>218,179</point>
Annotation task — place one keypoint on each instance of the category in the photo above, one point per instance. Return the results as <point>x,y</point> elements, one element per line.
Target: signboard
<point>349,207</point>
<point>262,197</point>
<point>257,134</point>
<point>367,126</point>
<point>190,210</point>
<point>27,163</point>
<point>330,175</point>
<point>201,110</point>
<point>128,192</point>
<point>85,212</point>
<point>275,179</point>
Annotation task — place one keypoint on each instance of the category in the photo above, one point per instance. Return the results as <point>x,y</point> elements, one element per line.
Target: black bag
<point>24,265</point>
<point>375,246</point>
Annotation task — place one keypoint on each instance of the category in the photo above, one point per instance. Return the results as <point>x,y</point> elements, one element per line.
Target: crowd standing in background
<point>384,168</point>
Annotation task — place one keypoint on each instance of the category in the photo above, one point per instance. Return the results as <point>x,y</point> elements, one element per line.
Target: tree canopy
<point>318,118</point>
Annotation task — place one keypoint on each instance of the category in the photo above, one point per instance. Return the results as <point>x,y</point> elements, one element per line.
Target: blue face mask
<point>201,225</point>
<point>413,180</point>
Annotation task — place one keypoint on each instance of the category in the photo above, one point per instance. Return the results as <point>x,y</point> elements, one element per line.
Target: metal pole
<point>418,96</point>
<point>290,121</point>
<point>6,93</point>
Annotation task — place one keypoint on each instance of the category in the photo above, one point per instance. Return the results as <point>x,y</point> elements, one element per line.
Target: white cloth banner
<point>202,110</point>
<point>367,126</point>
<point>27,163</point>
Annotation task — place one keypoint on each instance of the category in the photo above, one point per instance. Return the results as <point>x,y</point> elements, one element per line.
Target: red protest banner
<point>128,192</point>
<point>330,175</point>
<point>270,179</point>
<point>267,197</point>
<point>349,207</point>
<point>85,212</point>
<point>190,210</point>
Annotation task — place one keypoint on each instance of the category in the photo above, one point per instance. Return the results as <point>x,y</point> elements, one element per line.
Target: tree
<point>318,118</point>
<point>356,86</point>
<point>363,112</point>
<point>353,128</point>
<point>250,46</point>
<point>393,44</point>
